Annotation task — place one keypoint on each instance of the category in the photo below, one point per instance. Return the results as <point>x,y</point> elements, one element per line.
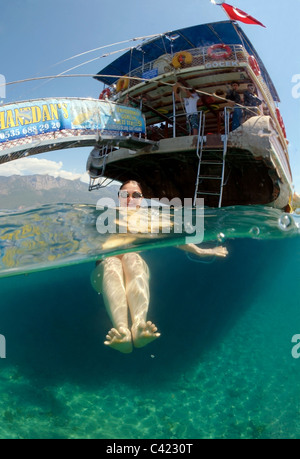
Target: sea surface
<point>225,366</point>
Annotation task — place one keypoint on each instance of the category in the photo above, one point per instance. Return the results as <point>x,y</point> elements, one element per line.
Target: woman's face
<point>130,195</point>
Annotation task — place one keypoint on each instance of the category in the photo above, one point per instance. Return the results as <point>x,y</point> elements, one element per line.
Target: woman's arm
<point>192,248</point>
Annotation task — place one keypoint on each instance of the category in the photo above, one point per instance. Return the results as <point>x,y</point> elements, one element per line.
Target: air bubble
<point>221,237</point>
<point>285,222</point>
<point>254,231</point>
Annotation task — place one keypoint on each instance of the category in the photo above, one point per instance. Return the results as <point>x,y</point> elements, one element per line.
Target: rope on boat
<point>104,55</point>
<point>91,75</point>
<point>105,46</point>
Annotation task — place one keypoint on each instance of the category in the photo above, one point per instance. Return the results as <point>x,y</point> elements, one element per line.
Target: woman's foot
<point>143,333</point>
<point>119,340</point>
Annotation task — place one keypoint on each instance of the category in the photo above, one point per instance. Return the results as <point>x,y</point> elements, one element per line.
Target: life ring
<point>183,57</point>
<point>105,94</point>
<point>122,84</point>
<point>254,65</point>
<point>280,121</point>
<point>219,55</point>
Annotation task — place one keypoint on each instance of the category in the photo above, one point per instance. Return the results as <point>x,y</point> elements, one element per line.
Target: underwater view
<point>225,366</point>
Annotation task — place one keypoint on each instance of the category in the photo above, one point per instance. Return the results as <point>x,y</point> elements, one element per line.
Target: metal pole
<point>174,115</point>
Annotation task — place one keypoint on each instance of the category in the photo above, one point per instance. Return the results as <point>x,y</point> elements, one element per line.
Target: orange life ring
<point>183,57</point>
<point>106,93</point>
<point>280,121</point>
<point>254,65</point>
<point>219,55</point>
<point>122,84</point>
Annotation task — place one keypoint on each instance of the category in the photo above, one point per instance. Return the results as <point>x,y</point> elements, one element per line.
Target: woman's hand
<point>192,248</point>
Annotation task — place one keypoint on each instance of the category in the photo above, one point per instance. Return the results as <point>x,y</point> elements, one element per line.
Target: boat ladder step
<point>210,177</point>
<point>211,150</point>
<point>212,162</point>
<point>209,193</point>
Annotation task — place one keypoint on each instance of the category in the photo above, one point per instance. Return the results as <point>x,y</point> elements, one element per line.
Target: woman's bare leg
<point>138,296</point>
<point>111,282</point>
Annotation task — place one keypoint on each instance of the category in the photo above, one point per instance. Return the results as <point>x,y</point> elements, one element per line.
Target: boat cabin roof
<point>225,32</point>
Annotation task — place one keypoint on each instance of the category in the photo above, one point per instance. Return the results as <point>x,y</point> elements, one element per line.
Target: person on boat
<point>233,95</point>
<point>123,281</point>
<point>251,101</point>
<point>191,100</point>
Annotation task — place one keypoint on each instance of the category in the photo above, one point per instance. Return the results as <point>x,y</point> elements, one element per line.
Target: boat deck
<point>254,156</point>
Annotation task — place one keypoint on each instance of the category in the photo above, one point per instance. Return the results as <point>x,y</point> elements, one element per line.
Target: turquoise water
<point>222,367</point>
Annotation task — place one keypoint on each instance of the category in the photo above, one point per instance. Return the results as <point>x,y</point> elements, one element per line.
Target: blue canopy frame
<point>226,32</point>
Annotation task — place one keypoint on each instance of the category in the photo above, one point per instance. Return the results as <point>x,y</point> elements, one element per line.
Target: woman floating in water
<point>123,281</point>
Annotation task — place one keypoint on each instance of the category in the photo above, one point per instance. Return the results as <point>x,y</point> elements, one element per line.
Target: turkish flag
<point>238,15</point>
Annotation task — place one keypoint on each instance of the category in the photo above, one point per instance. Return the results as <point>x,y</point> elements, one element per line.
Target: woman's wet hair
<point>134,182</point>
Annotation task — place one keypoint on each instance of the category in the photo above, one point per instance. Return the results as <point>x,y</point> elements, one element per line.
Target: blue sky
<point>36,35</point>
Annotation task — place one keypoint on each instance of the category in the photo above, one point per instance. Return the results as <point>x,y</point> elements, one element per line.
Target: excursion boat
<point>224,164</point>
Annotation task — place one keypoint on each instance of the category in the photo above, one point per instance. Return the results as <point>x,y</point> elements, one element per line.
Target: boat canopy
<point>226,32</point>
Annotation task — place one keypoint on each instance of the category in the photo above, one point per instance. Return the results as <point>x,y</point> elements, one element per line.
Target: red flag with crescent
<point>238,15</point>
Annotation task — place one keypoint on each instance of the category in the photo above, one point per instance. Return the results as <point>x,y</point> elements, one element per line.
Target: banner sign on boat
<point>43,116</point>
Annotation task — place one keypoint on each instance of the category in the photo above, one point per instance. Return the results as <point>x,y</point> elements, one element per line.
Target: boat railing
<point>179,124</point>
<point>193,58</point>
<point>209,57</point>
<point>224,56</point>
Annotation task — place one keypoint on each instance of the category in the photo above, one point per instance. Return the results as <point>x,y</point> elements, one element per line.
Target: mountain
<point>17,192</point>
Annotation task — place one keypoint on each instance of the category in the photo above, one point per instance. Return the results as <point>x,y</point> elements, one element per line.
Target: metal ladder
<point>98,182</point>
<point>219,163</point>
<point>106,145</point>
